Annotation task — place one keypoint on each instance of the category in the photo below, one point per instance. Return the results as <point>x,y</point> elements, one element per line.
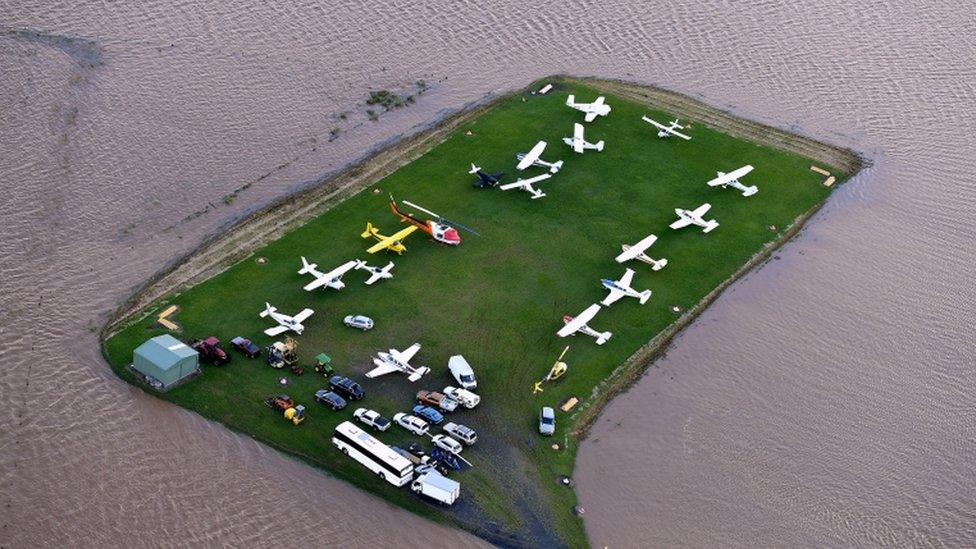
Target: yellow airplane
<point>391,242</point>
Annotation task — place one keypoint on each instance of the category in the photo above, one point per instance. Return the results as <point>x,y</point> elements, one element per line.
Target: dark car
<point>347,387</point>
<point>246,346</point>
<point>330,399</point>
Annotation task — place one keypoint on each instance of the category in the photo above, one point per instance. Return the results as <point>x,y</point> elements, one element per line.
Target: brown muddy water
<point>827,399</point>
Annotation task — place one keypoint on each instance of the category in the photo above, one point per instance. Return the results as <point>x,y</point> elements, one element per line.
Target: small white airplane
<point>578,325</point>
<point>331,279</point>
<point>669,130</point>
<point>592,110</point>
<point>285,322</point>
<point>694,217</point>
<point>578,143</point>
<point>731,179</point>
<point>396,361</point>
<point>526,185</point>
<point>637,251</point>
<point>531,158</point>
<point>621,288</point>
<point>376,273</point>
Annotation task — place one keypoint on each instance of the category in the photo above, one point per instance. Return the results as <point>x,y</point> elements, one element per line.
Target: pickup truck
<point>372,418</point>
<point>436,486</point>
<point>467,399</point>
<point>439,400</point>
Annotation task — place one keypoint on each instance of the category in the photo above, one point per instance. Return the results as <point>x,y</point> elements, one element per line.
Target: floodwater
<point>827,399</point>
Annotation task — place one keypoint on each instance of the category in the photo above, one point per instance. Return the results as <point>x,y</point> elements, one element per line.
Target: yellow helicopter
<point>558,369</point>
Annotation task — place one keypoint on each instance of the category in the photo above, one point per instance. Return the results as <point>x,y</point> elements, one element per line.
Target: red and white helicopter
<point>669,130</point>
<point>638,252</point>
<point>531,158</point>
<point>577,324</point>
<point>731,179</point>
<point>592,110</point>
<point>579,143</point>
<point>397,361</point>
<point>440,230</point>
<point>694,217</point>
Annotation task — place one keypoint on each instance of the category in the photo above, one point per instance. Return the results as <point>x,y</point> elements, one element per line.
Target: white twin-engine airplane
<point>376,273</point>
<point>331,279</point>
<point>526,185</point>
<point>731,179</point>
<point>637,251</point>
<point>396,361</point>
<point>285,322</point>
<point>578,325</point>
<point>578,143</point>
<point>694,217</point>
<point>621,288</point>
<point>669,130</point>
<point>592,110</point>
<point>531,158</point>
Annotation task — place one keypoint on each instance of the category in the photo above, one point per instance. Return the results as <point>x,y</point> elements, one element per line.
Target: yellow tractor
<point>292,412</point>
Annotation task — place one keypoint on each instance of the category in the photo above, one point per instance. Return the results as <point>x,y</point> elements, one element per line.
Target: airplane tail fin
<point>644,296</point>
<point>571,100</point>
<point>749,191</point>
<point>556,167</point>
<point>360,264</point>
<point>603,338</point>
<point>599,145</point>
<point>659,264</point>
<point>536,193</point>
<point>474,169</point>
<point>710,226</point>
<point>268,309</point>
<point>306,266</point>
<point>369,230</point>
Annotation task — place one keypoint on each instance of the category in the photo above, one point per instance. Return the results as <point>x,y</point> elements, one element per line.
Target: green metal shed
<point>165,358</point>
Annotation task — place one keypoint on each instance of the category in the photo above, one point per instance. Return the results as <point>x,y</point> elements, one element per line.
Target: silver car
<point>359,321</point>
<point>547,421</point>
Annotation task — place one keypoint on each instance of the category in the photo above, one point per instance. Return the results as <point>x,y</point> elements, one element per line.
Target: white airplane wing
<point>277,330</point>
<point>681,222</point>
<point>654,123</point>
<point>627,278</point>
<point>678,134</point>
<point>381,369</point>
<point>731,176</point>
<point>701,210</point>
<point>532,155</point>
<point>578,137</point>
<point>300,317</point>
<point>317,283</point>
<point>633,251</point>
<point>590,116</point>
<point>599,101</point>
<point>407,354</point>
<point>613,296</point>
<point>525,182</point>
<point>579,321</point>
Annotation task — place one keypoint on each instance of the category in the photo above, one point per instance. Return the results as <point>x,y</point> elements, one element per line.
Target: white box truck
<point>436,486</point>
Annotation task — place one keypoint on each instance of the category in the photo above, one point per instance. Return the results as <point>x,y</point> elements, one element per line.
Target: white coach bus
<point>376,456</point>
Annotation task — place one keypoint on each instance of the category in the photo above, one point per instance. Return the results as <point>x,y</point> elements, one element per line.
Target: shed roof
<point>165,351</point>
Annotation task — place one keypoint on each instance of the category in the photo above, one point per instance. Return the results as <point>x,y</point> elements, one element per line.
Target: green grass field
<point>497,299</point>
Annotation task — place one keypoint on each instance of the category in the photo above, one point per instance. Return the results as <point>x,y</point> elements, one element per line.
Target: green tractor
<point>323,365</point>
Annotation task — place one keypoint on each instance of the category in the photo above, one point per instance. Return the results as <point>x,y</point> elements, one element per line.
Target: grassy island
<point>497,299</point>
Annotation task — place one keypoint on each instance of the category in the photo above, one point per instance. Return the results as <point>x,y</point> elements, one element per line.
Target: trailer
<point>436,486</point>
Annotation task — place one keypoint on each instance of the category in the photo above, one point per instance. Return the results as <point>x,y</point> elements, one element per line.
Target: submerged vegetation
<point>497,299</point>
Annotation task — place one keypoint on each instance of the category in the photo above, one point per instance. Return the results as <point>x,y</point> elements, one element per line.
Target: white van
<point>462,372</point>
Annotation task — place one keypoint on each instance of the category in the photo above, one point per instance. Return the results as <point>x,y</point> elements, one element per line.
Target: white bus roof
<point>378,448</point>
